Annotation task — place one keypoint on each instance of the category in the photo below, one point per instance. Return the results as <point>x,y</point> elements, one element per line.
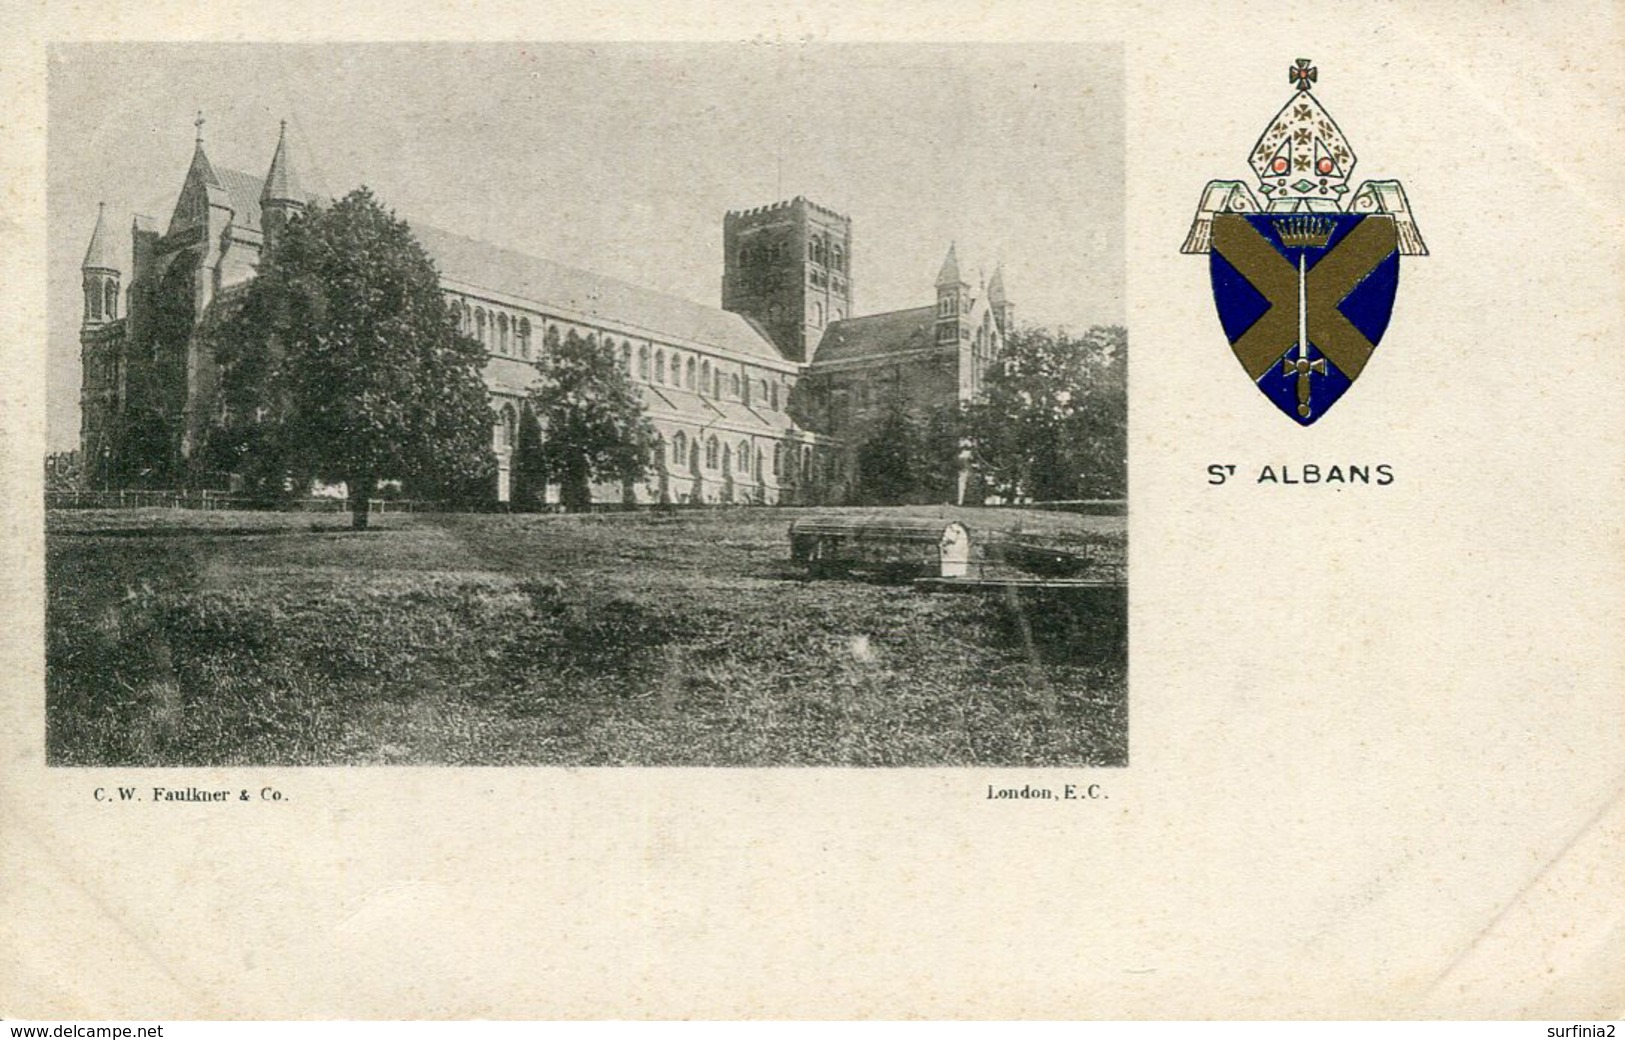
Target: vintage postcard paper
<point>770,519</point>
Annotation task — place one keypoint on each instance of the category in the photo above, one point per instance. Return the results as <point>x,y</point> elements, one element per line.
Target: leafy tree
<point>342,361</point>
<point>596,431</point>
<point>1052,420</point>
<point>529,473</point>
<point>890,460</point>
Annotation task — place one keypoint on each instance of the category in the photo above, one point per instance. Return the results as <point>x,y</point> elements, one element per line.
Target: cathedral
<point>766,399</point>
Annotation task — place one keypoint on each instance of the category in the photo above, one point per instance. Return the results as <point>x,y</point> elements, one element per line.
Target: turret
<point>953,298</point>
<point>101,274</point>
<point>284,196</point>
<point>1004,312</point>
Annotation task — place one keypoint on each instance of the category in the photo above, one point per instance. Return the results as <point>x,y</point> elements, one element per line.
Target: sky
<point>622,159</point>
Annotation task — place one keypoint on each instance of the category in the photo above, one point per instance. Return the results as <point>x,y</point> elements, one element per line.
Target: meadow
<point>188,638</point>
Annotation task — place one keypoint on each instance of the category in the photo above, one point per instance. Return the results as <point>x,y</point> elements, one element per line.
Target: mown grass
<point>186,638</point>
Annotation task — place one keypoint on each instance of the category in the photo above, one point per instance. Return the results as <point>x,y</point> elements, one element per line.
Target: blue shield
<point>1304,299</point>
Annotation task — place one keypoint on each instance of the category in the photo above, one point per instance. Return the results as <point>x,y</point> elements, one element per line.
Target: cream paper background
<point>1376,732</point>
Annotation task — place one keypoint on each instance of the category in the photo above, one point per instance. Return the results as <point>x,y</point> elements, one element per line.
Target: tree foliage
<point>595,430</point>
<point>890,459</point>
<point>1052,421</point>
<point>342,361</point>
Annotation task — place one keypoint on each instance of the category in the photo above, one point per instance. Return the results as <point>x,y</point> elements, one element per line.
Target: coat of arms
<point>1304,284</point>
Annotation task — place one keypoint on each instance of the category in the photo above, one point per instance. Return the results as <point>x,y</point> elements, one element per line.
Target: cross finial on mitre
<point>198,122</point>
<point>1302,73</point>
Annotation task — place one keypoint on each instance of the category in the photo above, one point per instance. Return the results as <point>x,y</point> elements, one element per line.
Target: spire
<point>100,255</point>
<point>282,182</point>
<point>949,275</point>
<point>200,160</point>
<point>995,288</point>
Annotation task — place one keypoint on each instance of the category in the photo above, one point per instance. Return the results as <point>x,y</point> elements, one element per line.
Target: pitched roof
<point>550,284</point>
<point>101,254</point>
<point>706,410</point>
<point>244,190</point>
<point>877,334</point>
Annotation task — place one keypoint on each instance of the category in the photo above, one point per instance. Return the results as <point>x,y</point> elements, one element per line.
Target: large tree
<point>1051,422</point>
<point>594,429</point>
<point>342,361</point>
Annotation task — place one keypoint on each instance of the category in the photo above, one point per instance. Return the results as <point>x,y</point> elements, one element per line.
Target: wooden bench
<point>890,544</point>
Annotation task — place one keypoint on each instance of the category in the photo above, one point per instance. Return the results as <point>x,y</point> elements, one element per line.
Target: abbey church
<point>765,399</point>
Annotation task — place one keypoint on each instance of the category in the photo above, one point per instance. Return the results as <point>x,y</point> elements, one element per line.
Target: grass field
<point>191,638</point>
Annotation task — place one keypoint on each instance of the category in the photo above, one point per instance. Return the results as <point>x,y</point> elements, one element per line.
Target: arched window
<point>812,249</point>
<point>742,456</point>
<point>711,455</point>
<point>759,466</point>
<point>524,338</point>
<point>479,324</point>
<point>839,259</point>
<point>467,324</point>
<point>761,391</point>
<point>643,362</point>
<point>778,461</point>
<point>773,395</point>
<point>733,383</point>
<point>110,303</point>
<point>688,373</point>
<point>806,462</point>
<point>626,358</point>
<point>660,366</point>
<point>727,460</point>
<point>550,339</point>
<point>705,377</point>
<point>679,448</point>
<point>502,333</point>
<point>818,312</point>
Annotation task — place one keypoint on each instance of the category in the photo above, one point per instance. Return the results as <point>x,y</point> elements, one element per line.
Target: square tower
<point>788,267</point>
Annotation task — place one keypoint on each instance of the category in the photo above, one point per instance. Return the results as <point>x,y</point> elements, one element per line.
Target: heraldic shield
<point>1304,299</point>
<point>1305,282</point>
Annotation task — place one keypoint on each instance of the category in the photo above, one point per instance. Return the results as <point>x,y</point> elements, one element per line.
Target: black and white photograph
<point>586,405</point>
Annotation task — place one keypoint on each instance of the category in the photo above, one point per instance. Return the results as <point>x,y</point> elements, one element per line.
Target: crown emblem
<point>1305,232</point>
<point>1305,284</point>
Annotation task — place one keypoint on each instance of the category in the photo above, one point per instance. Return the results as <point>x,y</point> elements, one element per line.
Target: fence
<point>215,500</point>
